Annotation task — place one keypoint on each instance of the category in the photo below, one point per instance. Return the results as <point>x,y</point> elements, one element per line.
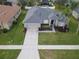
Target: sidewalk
<point>59,47</point>
<point>5,47</point>
<point>62,47</point>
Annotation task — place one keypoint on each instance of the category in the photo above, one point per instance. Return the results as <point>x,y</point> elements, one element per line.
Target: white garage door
<point>32,25</point>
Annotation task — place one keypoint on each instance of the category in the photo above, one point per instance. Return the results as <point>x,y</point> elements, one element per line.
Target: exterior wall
<point>50,22</point>
<point>1,26</point>
<point>5,26</point>
<point>75,14</point>
<point>17,15</point>
<point>10,22</point>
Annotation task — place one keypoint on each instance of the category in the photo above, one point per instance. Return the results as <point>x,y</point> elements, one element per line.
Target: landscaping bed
<point>59,54</point>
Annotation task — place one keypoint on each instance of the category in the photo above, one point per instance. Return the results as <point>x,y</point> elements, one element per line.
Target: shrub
<point>15,22</point>
<point>5,30</point>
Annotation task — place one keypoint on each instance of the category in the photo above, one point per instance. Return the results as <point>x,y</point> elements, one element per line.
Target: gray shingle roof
<point>45,1</point>
<point>53,16</point>
<point>37,15</point>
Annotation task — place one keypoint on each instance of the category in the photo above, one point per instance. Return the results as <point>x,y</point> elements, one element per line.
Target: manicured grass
<point>9,54</point>
<point>58,38</point>
<point>16,35</point>
<point>59,54</point>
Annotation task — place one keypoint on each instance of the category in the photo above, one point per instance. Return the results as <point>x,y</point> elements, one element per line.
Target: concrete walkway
<point>30,47</point>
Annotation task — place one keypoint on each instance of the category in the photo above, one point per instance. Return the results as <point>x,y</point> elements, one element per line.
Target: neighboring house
<point>44,16</point>
<point>8,14</point>
<point>44,2</point>
<point>76,0</point>
<point>75,13</point>
<point>13,1</point>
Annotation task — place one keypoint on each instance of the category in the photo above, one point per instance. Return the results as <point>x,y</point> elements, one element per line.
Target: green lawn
<point>59,54</point>
<point>9,54</point>
<point>60,38</point>
<point>16,35</point>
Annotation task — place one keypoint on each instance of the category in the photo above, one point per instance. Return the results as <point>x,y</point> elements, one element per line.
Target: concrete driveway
<point>30,47</point>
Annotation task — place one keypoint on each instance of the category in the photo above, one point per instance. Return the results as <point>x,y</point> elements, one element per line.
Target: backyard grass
<point>9,54</point>
<point>61,38</point>
<point>59,54</point>
<point>16,35</point>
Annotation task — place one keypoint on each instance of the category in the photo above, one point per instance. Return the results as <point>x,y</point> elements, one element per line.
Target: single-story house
<point>43,16</point>
<point>75,12</point>
<point>8,14</point>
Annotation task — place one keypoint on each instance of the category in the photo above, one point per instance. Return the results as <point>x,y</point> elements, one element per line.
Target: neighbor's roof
<point>7,12</point>
<point>77,9</point>
<point>37,15</point>
<point>45,1</point>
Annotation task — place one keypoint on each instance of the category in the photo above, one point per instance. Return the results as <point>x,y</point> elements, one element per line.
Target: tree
<point>77,27</point>
<point>61,1</point>
<point>28,2</point>
<point>22,2</point>
<point>1,1</point>
<point>32,2</point>
<point>73,4</point>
